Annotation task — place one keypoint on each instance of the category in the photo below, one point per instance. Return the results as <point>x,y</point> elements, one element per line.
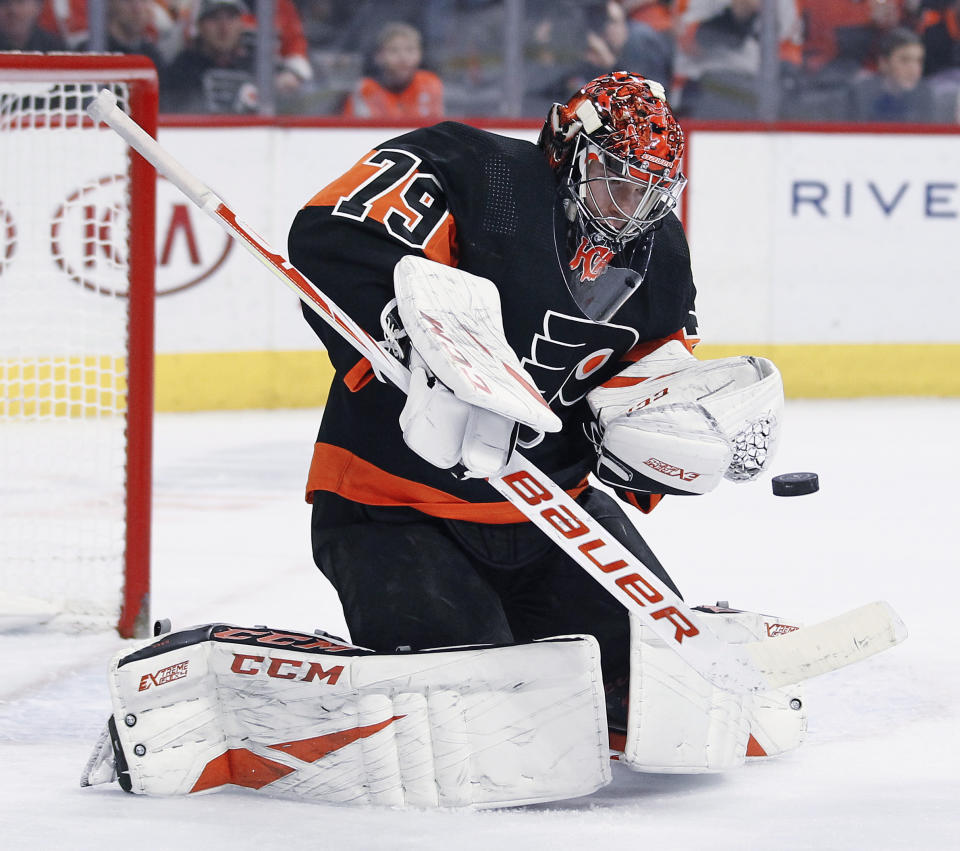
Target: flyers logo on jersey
<point>572,355</point>
<point>593,258</point>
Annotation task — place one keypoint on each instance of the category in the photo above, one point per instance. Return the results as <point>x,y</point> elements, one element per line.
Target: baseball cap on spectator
<point>208,7</point>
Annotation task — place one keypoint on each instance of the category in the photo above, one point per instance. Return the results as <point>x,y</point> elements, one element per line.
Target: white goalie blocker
<point>673,424</point>
<point>304,716</point>
<point>679,723</point>
<point>468,390</point>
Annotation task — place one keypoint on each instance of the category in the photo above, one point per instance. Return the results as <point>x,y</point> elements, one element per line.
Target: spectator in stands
<point>842,37</point>
<point>215,73</point>
<point>940,29</point>
<point>719,55</point>
<point>68,18</point>
<point>659,15</point>
<point>129,29</point>
<point>614,43</point>
<point>398,87</point>
<point>606,41</point>
<point>897,91</point>
<point>19,29</point>
<point>294,67</point>
<point>328,24</point>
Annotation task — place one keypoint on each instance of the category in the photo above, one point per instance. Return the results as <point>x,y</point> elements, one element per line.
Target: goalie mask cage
<point>76,344</point>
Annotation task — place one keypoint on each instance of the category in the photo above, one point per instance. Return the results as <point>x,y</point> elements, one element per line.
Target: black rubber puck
<point>795,484</point>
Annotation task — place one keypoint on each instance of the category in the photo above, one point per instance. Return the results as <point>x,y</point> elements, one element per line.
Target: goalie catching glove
<point>468,391</point>
<point>672,424</point>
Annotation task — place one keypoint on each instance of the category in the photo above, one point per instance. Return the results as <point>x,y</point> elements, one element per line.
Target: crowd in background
<point>821,60</point>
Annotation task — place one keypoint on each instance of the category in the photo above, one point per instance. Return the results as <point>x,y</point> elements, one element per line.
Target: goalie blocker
<point>468,390</point>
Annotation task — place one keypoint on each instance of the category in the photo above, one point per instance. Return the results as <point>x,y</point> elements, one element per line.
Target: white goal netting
<point>64,324</point>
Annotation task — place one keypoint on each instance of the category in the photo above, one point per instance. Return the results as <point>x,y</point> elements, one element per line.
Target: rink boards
<point>832,253</point>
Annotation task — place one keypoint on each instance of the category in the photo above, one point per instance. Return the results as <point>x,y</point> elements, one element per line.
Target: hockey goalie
<point>541,299</point>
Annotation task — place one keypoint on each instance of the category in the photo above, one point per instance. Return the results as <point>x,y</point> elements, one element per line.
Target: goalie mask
<point>616,148</point>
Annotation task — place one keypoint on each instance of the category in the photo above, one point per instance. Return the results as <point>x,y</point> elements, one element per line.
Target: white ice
<point>879,769</point>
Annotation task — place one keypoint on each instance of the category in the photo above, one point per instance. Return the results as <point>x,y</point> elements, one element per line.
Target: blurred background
<point>822,209</point>
<point>763,60</point>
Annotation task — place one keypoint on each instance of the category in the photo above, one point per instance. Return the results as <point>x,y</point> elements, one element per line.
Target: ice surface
<point>879,769</point>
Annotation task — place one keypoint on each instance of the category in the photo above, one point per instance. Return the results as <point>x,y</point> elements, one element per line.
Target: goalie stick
<point>753,667</point>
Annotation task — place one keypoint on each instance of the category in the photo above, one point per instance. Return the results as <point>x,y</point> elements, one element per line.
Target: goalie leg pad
<point>679,723</point>
<point>297,716</point>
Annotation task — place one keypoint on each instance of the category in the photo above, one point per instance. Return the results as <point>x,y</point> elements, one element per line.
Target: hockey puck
<point>795,484</point>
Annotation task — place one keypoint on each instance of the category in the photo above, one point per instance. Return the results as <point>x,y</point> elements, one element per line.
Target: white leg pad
<point>218,706</point>
<point>679,723</point>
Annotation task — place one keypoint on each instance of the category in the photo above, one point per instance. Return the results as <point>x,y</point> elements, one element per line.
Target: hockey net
<point>76,344</point>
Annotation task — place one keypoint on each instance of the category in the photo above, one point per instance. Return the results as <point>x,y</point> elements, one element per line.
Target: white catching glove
<point>468,391</point>
<point>673,424</point>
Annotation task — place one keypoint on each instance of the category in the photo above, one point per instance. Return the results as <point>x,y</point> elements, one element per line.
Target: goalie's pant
<point>407,579</point>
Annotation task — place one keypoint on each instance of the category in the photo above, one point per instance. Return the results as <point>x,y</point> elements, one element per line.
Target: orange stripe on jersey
<point>345,184</point>
<point>643,349</point>
<point>617,742</point>
<point>339,471</point>
<point>648,503</point>
<point>359,375</point>
<point>620,381</point>
<point>442,245</point>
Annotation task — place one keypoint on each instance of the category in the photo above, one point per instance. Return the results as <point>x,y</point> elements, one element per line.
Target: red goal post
<point>77,257</point>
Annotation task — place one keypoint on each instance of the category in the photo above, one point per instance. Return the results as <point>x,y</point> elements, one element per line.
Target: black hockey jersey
<point>486,204</point>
